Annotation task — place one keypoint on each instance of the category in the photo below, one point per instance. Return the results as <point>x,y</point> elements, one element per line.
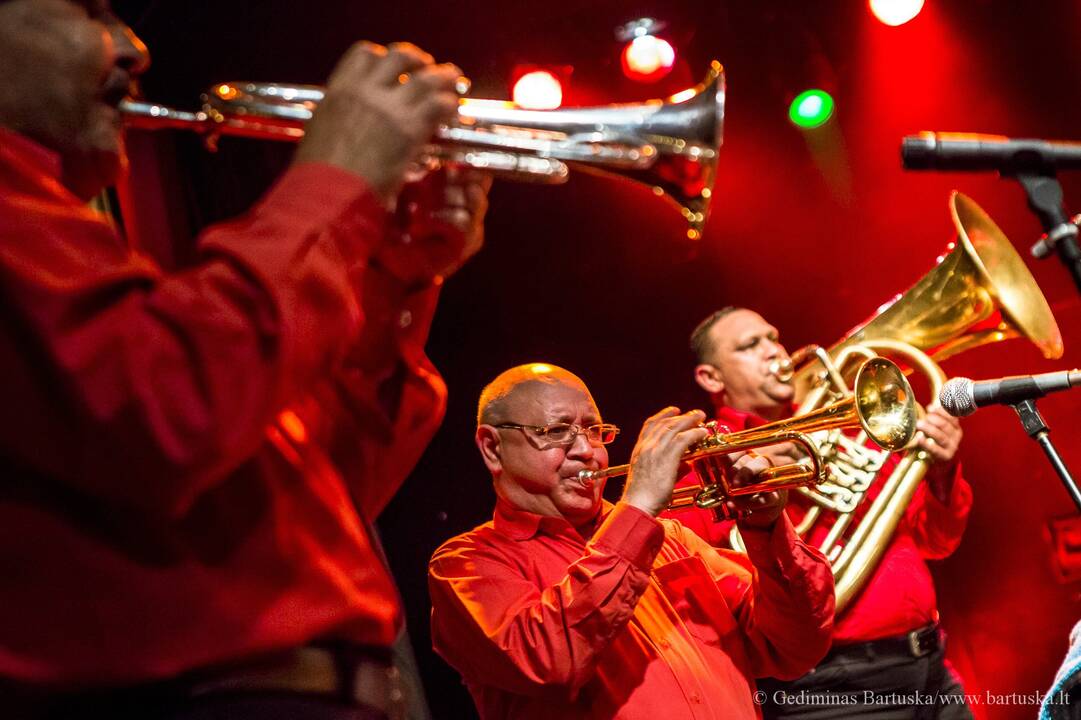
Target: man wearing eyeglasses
<point>567,606</point>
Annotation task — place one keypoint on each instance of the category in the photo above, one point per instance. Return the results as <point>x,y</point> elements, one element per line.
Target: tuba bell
<point>670,144</point>
<point>979,292</point>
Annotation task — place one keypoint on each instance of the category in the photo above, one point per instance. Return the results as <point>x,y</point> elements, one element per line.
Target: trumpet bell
<point>885,405</point>
<point>882,404</point>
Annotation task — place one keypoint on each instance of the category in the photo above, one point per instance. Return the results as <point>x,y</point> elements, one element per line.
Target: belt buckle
<point>919,641</point>
<point>379,686</point>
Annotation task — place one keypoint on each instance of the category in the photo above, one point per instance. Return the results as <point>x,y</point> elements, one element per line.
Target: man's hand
<point>760,510</point>
<point>439,225</point>
<point>940,436</point>
<point>381,106</point>
<point>656,457</point>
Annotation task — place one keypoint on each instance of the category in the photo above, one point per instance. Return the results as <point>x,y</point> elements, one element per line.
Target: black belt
<point>358,676</point>
<point>917,643</point>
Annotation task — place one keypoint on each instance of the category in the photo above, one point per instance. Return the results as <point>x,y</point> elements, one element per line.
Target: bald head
<point>499,395</point>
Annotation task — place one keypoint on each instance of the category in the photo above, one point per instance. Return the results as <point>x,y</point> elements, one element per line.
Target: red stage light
<point>895,12</point>
<point>647,58</point>
<point>538,90</point>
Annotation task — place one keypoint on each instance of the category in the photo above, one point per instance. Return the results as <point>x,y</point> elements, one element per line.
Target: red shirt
<point>191,461</point>
<point>641,619</point>
<point>900,595</point>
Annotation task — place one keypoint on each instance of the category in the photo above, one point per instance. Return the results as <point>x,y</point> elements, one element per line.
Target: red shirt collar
<point>518,524</point>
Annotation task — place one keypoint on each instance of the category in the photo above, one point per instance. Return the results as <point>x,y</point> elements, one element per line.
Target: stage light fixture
<point>646,56</point>
<point>895,12</point>
<point>811,109</point>
<point>538,90</point>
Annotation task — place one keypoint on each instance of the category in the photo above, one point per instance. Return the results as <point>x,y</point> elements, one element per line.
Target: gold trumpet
<point>669,144</point>
<point>881,404</point>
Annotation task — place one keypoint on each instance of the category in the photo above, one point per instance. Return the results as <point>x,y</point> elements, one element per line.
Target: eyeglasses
<point>565,433</point>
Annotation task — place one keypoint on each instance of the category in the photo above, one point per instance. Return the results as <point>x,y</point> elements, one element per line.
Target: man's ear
<point>708,378</point>
<point>491,449</point>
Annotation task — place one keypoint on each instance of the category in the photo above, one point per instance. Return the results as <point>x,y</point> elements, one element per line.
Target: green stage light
<point>811,109</point>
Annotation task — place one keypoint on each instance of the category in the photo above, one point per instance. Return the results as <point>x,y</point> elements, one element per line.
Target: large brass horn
<point>670,145</point>
<point>980,292</point>
<point>882,404</point>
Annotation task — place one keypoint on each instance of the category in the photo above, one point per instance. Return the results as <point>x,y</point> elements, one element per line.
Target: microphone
<point>961,396</point>
<point>970,151</point>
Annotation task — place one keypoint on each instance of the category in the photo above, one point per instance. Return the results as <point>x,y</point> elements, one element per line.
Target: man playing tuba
<point>888,654</point>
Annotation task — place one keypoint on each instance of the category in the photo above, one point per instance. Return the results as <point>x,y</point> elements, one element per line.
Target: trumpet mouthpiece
<point>585,478</point>
<point>781,369</point>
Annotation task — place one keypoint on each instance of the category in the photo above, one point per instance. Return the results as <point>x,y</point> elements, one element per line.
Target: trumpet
<point>881,404</point>
<point>669,144</point>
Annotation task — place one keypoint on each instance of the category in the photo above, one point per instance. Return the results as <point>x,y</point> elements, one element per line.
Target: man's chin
<point>580,506</point>
<point>87,173</point>
<point>782,396</point>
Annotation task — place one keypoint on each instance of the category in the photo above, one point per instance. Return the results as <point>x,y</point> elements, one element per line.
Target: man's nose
<point>131,53</point>
<point>581,447</point>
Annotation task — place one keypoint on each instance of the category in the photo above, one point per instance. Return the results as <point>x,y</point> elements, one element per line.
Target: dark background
<point>813,229</point>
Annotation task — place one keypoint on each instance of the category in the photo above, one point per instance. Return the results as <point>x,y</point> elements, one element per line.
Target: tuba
<point>979,292</point>
<point>671,145</point>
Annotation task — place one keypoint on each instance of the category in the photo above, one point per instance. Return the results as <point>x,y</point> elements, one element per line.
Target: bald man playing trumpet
<point>565,605</point>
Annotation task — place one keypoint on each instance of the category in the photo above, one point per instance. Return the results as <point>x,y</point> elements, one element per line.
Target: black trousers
<point>864,683</point>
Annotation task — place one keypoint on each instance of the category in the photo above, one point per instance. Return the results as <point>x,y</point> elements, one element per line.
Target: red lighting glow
<point>895,12</point>
<point>538,90</point>
<point>648,58</point>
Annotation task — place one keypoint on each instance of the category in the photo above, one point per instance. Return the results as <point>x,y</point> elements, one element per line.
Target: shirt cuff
<point>776,550</point>
<point>631,534</point>
<point>960,498</point>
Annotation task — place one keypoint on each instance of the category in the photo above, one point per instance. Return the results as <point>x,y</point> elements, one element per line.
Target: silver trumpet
<point>669,144</point>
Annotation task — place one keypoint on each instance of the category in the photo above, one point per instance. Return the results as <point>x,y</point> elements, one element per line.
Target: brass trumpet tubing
<point>786,476</point>
<point>881,403</point>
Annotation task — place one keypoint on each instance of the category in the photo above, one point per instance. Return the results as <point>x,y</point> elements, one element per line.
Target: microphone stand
<point>1037,429</point>
<point>1045,199</point>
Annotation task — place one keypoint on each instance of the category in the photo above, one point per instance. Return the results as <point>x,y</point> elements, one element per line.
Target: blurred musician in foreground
<point>566,606</point>
<point>888,653</point>
<point>191,461</point>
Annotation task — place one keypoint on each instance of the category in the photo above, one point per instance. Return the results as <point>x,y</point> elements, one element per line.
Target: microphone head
<point>956,397</point>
